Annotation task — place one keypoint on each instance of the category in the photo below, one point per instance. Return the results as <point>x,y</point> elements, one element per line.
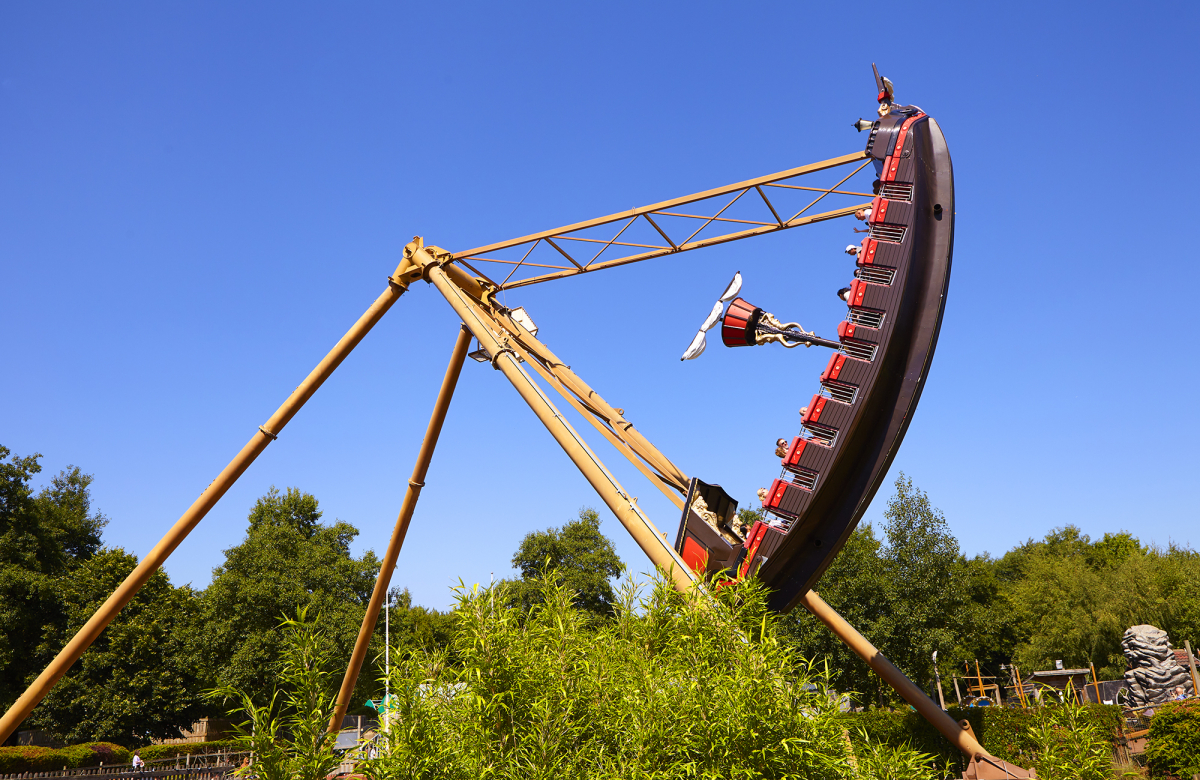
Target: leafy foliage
<point>1057,740</point>
<point>288,561</point>
<point>156,752</point>
<point>43,538</point>
<point>903,593</point>
<point>1075,598</point>
<point>887,761</point>
<point>584,558</point>
<point>1070,746</point>
<point>287,734</point>
<point>135,682</point>
<point>417,627</point>
<point>1174,745</point>
<point>1062,598</point>
<point>22,759</point>
<point>673,686</point>
<point>138,679</point>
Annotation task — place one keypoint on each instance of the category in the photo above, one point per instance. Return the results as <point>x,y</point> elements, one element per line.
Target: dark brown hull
<point>916,240</point>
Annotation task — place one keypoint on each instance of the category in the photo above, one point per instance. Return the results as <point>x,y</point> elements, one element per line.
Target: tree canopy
<point>288,561</point>
<point>584,557</point>
<point>140,679</point>
<point>137,679</point>
<point>905,585</point>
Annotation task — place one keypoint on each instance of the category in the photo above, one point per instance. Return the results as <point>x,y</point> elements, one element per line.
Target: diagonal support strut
<point>388,564</point>
<point>267,433</point>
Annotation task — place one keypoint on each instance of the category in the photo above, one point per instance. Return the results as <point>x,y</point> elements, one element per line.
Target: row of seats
<point>860,335</point>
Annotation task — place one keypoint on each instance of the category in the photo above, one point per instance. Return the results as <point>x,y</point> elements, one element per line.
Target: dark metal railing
<point>205,766</point>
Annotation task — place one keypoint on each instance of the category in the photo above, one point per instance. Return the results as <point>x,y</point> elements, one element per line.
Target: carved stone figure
<point>1153,671</point>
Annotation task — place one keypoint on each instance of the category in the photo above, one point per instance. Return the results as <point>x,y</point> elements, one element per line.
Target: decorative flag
<point>696,348</point>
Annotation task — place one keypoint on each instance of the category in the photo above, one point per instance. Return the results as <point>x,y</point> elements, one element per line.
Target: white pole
<point>387,659</point>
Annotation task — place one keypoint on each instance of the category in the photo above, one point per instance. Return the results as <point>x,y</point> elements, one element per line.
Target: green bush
<point>26,758</point>
<point>1174,744</point>
<point>672,686</point>
<point>156,752</point>
<point>1024,737</point>
<point>287,735</point>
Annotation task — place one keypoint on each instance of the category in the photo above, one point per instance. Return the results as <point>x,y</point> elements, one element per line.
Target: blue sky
<point>196,200</point>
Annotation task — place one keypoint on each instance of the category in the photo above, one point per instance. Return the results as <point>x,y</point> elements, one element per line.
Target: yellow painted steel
<point>958,736</point>
<point>622,427</point>
<point>388,565</point>
<point>653,544</point>
<point>265,434</point>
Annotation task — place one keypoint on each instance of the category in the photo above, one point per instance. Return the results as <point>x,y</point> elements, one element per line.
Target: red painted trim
<point>795,452</point>
<point>892,164</point>
<point>694,556</point>
<point>753,540</point>
<point>879,208</point>
<point>858,290</point>
<point>834,368</point>
<point>814,409</point>
<point>866,254</point>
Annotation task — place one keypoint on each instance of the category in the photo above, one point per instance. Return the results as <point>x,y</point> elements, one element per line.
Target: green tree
<point>418,628</point>
<point>138,679</point>
<point>852,586</point>
<point>905,594</point>
<point>925,582</point>
<point>42,537</point>
<point>1074,598</point>
<point>288,561</point>
<point>584,557</point>
<point>287,733</point>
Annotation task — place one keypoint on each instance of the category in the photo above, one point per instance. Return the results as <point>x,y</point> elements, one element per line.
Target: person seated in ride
<point>781,448</point>
<point>862,215</point>
<point>844,294</point>
<point>762,495</point>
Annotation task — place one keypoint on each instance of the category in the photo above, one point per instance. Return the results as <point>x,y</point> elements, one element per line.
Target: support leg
<point>636,523</point>
<point>266,433</point>
<point>402,520</point>
<point>960,737</point>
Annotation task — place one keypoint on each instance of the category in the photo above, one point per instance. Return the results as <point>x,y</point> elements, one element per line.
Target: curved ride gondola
<point>868,392</point>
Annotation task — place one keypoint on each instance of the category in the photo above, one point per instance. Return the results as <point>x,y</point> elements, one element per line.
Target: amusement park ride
<point>850,429</point>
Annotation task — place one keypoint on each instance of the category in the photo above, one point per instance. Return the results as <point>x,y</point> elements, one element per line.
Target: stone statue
<point>1153,671</point>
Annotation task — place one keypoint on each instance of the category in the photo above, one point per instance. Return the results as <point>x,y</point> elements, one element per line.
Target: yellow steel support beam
<point>266,433</point>
<point>950,729</point>
<point>653,544</point>
<point>622,427</point>
<point>388,565</point>
<point>667,204</point>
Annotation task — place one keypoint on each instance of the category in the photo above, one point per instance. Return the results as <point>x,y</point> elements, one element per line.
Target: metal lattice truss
<point>741,210</point>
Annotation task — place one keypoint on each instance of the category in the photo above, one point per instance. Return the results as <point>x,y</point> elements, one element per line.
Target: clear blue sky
<point>197,199</point>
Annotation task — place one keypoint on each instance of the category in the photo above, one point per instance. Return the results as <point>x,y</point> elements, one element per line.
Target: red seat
<point>878,209</point>
<point>866,253</point>
<point>831,372</point>
<point>815,407</point>
<point>794,452</point>
<point>858,291</point>
<point>753,541</point>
